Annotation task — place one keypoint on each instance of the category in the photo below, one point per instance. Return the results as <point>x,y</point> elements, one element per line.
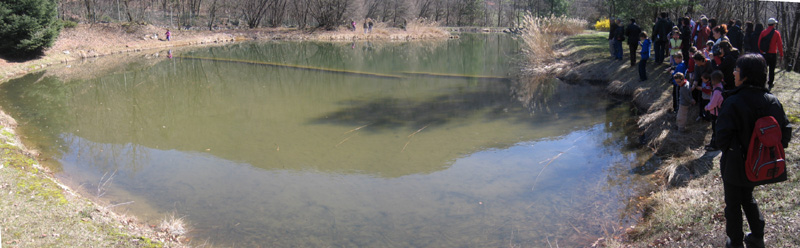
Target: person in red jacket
<point>773,37</point>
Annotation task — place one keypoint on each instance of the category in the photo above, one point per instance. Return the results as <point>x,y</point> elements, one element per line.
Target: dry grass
<point>540,34</point>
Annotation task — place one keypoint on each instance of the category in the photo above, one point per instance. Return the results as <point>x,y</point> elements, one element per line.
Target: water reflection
<point>254,155</point>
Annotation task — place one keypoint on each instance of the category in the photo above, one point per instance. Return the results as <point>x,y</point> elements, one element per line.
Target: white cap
<point>771,21</point>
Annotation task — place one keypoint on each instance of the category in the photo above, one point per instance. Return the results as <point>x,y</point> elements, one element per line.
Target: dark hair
<point>678,75</point>
<point>693,49</point>
<point>699,57</point>
<point>752,69</point>
<point>739,22</point>
<point>643,34</point>
<point>721,29</point>
<point>731,22</point>
<point>663,14</point>
<point>748,27</point>
<point>717,76</point>
<point>678,56</point>
<point>633,20</point>
<point>759,28</point>
<point>706,75</point>
<point>725,45</point>
<point>713,22</point>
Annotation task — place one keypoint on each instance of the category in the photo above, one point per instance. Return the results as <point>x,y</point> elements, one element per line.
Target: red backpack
<point>765,162</point>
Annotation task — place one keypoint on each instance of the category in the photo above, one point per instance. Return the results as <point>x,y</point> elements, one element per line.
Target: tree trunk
<point>212,14</point>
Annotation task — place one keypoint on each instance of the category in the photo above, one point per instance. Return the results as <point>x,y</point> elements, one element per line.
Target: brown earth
<point>96,40</point>
<point>685,210</point>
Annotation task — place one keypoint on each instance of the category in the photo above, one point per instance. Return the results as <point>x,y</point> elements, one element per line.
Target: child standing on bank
<point>705,87</point>
<point>674,45</point>
<point>714,106</point>
<point>645,43</point>
<point>685,102</point>
<point>680,67</point>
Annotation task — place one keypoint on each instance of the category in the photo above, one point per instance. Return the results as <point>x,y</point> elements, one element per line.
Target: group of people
<point>728,73</point>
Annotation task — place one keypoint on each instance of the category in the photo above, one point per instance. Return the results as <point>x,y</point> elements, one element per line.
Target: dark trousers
<point>618,49</point>
<point>660,48</point>
<point>675,95</point>
<point>643,69</point>
<point>702,108</point>
<point>713,141</point>
<point>738,198</point>
<point>772,61</point>
<point>632,48</point>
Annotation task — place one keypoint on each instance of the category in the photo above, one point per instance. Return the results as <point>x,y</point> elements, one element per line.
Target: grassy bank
<point>36,211</point>
<point>687,209</point>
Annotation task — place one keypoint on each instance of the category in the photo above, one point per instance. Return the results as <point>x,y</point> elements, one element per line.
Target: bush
<point>603,25</point>
<point>69,24</point>
<point>28,26</point>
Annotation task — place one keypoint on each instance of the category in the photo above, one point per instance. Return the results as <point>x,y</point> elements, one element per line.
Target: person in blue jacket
<point>645,43</point>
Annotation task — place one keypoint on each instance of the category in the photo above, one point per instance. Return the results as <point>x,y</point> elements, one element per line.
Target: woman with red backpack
<point>743,105</point>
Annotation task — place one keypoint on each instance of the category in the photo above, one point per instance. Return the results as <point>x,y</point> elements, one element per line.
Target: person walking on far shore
<point>169,35</point>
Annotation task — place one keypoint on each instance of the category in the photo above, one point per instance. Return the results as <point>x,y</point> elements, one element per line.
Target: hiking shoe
<point>729,245</point>
<point>711,148</point>
<point>751,241</point>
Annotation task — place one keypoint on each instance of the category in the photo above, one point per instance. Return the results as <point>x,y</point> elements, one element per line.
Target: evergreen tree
<point>27,26</point>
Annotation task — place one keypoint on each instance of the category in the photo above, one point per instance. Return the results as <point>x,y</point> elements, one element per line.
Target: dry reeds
<point>540,34</point>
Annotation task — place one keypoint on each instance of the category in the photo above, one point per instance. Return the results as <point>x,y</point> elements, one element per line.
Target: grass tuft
<point>540,34</point>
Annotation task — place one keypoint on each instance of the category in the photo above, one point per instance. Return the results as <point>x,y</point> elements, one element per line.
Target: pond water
<point>308,144</point>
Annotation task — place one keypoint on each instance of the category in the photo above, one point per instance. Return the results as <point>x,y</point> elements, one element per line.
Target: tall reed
<point>540,34</point>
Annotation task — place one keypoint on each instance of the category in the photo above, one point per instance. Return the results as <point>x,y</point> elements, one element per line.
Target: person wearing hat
<point>772,37</point>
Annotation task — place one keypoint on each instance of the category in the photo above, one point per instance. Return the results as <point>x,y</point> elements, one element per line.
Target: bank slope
<point>687,210</point>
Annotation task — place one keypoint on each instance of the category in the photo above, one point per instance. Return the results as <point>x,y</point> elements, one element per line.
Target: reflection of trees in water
<point>536,92</point>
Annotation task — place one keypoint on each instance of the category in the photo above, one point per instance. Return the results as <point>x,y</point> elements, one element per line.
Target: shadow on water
<point>264,156</point>
<point>386,113</point>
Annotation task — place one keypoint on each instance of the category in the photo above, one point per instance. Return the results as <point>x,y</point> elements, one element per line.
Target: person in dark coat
<point>611,32</point>
<point>660,38</point>
<point>735,34</point>
<point>633,32</point>
<point>619,37</point>
<point>743,105</point>
<point>752,39</point>
<point>729,55</point>
<point>748,32</point>
<point>685,26</point>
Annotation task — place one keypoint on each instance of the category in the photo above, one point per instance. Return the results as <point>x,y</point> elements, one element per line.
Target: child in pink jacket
<point>713,106</point>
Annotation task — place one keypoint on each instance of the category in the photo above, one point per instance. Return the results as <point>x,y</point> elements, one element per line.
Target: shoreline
<point>686,208</point>
<point>42,201</point>
<point>98,40</point>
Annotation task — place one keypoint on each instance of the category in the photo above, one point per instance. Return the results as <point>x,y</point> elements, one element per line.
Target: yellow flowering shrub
<point>603,25</point>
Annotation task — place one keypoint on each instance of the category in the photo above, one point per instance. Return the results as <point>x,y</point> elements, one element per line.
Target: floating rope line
<point>446,75</point>
<point>301,67</point>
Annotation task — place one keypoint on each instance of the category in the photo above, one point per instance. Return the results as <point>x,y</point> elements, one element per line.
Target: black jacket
<point>633,32</point>
<point>740,110</point>
<point>612,29</point>
<point>727,66</point>
<point>661,30</point>
<point>736,37</point>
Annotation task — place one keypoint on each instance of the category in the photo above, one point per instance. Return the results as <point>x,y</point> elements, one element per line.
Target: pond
<point>309,144</point>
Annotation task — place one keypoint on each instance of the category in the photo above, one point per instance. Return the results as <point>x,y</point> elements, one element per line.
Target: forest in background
<point>332,14</point>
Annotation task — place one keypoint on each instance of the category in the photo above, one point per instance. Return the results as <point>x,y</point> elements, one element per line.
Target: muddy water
<point>283,144</point>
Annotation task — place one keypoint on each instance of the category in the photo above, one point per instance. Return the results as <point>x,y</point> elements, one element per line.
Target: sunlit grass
<point>539,34</point>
